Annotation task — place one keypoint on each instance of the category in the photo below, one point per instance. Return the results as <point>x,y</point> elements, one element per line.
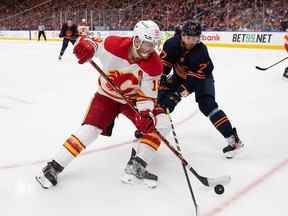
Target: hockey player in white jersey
<point>83,28</point>
<point>132,64</point>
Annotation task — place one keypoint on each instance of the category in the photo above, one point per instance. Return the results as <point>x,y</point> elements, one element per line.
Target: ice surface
<point>43,100</point>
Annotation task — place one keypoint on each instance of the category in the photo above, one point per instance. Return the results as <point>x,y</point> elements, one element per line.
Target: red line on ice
<point>247,189</point>
<point>31,163</point>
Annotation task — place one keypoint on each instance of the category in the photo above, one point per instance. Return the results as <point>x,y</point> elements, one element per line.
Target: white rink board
<point>270,40</point>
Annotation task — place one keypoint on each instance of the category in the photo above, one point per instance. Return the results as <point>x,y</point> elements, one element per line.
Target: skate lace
<point>51,170</point>
<point>235,142</point>
<point>140,171</point>
<point>136,169</point>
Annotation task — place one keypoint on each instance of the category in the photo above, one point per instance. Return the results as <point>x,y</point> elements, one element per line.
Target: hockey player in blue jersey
<point>188,69</point>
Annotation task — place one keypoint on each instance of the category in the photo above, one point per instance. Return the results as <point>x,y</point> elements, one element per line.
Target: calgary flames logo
<point>126,82</point>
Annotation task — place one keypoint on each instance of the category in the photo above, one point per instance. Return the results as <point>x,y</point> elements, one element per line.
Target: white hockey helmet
<point>147,30</point>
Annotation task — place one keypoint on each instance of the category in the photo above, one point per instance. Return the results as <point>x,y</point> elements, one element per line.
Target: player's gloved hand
<point>163,80</point>
<point>145,122</point>
<point>170,101</point>
<point>84,49</point>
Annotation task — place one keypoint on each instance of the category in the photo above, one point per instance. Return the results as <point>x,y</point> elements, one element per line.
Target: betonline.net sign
<point>244,38</point>
<point>252,38</point>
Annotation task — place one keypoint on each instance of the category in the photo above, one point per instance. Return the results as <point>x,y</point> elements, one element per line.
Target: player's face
<point>69,23</point>
<point>190,41</point>
<point>145,49</point>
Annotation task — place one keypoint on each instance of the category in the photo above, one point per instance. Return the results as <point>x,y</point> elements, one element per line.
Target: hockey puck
<point>219,189</point>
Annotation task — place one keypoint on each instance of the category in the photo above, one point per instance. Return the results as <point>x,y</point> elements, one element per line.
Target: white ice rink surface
<point>43,100</point>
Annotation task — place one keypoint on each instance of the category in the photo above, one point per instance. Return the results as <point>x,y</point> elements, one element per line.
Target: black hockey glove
<point>163,80</point>
<point>170,101</point>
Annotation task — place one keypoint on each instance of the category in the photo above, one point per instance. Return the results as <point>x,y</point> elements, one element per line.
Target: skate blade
<point>128,178</point>
<point>152,184</point>
<point>131,179</point>
<point>44,182</point>
<point>234,153</point>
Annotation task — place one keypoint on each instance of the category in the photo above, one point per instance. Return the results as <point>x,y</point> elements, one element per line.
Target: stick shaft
<point>184,167</point>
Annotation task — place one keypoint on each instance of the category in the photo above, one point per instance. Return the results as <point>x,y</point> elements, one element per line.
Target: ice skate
<point>234,146</point>
<point>48,178</point>
<point>136,169</point>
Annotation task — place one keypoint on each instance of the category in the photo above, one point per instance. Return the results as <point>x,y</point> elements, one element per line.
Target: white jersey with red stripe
<point>83,29</point>
<point>137,80</point>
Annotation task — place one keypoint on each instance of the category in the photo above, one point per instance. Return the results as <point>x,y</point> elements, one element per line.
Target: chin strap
<point>135,49</point>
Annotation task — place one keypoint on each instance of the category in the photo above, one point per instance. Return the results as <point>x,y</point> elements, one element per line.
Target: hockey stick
<point>263,69</point>
<point>209,182</point>
<point>184,167</point>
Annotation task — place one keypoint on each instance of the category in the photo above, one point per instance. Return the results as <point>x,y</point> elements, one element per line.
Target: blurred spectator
<point>284,25</point>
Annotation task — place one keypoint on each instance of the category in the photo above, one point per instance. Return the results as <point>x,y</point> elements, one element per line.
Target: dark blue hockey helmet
<point>191,28</point>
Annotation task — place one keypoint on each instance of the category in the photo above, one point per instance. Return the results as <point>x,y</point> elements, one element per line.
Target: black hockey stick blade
<point>263,69</point>
<point>260,68</point>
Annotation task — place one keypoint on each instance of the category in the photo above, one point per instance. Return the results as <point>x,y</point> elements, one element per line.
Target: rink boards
<point>261,40</point>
